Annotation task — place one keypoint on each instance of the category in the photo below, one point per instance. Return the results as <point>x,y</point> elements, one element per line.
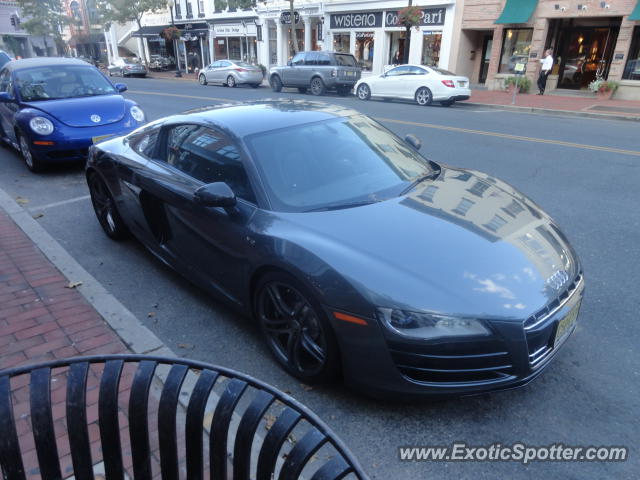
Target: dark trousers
<point>542,80</point>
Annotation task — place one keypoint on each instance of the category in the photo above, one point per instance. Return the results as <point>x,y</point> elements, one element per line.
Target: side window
<point>208,156</point>
<point>394,72</point>
<point>418,71</point>
<point>224,63</point>
<point>145,144</point>
<point>323,59</point>
<point>298,59</point>
<point>311,59</point>
<point>215,64</point>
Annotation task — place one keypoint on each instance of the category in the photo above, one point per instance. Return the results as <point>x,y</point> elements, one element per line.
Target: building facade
<point>590,39</point>
<point>15,40</point>
<point>84,37</point>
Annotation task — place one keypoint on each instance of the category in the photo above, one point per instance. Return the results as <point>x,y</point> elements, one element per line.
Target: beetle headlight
<point>137,113</point>
<point>41,125</point>
<point>428,326</point>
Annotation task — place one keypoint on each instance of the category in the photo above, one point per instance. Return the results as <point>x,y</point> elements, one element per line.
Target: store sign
<point>228,30</point>
<point>356,20</point>
<point>285,18</point>
<point>428,17</point>
<point>364,34</point>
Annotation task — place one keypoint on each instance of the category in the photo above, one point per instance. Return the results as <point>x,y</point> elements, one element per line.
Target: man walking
<point>547,65</point>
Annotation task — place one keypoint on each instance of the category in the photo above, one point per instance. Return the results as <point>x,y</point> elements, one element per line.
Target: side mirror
<point>121,87</point>
<point>5,97</point>
<point>216,194</point>
<point>413,141</point>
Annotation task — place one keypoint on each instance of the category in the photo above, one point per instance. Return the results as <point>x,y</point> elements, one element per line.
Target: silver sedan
<point>126,68</point>
<point>231,73</point>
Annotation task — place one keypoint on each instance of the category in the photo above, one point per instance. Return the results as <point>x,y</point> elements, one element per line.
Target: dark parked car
<point>53,109</point>
<point>352,252</point>
<point>318,72</point>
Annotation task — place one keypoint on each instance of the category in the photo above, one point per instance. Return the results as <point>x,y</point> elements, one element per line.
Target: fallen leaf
<point>188,346</point>
<point>73,284</point>
<point>38,215</point>
<point>22,201</point>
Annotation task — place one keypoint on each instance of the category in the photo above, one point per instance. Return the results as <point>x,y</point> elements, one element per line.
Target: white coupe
<point>422,84</point>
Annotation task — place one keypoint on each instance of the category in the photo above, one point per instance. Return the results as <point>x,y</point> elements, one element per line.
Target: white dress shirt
<point>547,63</point>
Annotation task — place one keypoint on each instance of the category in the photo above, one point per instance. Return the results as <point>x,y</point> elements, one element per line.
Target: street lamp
<point>175,44</point>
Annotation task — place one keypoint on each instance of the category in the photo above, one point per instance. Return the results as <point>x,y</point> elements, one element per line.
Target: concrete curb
<point>551,111</point>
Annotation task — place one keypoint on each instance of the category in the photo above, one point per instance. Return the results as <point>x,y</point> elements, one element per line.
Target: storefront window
<point>235,52</point>
<point>364,50</point>
<point>220,48</point>
<point>515,48</point>
<point>342,42</point>
<point>632,68</point>
<point>431,48</point>
<point>396,48</point>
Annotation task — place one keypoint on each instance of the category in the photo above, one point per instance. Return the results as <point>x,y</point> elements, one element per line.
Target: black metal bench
<point>255,431</point>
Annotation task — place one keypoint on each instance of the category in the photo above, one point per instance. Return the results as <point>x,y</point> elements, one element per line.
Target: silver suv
<point>318,72</point>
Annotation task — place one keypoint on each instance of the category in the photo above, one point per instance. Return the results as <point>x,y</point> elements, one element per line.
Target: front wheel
<point>231,81</point>
<point>317,86</point>
<point>423,96</point>
<point>363,92</point>
<point>296,328</point>
<point>32,163</point>
<point>105,208</point>
<point>202,80</point>
<point>276,83</point>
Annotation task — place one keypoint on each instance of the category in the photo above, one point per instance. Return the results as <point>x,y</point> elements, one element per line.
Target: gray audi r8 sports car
<point>355,254</point>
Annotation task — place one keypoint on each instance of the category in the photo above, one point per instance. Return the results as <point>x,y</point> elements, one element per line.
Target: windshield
<point>345,60</point>
<point>245,64</point>
<point>61,81</point>
<point>337,162</point>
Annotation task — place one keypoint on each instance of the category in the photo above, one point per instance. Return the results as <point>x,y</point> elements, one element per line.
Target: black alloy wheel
<point>317,86</point>
<point>296,329</point>
<point>105,208</point>
<point>276,83</point>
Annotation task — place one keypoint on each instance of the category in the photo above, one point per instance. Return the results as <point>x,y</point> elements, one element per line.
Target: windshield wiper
<point>427,176</point>
<point>341,206</point>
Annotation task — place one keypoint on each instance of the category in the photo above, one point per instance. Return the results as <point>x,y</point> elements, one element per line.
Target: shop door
<point>586,53</point>
<point>486,57</point>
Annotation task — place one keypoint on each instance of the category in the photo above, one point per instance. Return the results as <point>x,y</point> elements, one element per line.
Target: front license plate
<point>565,325</point>
<point>95,140</point>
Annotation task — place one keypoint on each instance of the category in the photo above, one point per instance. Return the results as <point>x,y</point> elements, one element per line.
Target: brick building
<point>589,38</point>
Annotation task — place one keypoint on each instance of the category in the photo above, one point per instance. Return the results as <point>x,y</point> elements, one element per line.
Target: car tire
<point>423,96</point>
<point>343,91</point>
<point>105,208</point>
<point>363,92</point>
<point>276,83</point>
<point>202,80</point>
<point>296,328</point>
<point>317,86</point>
<point>231,81</point>
<point>447,103</point>
<point>33,164</point>
<point>302,89</point>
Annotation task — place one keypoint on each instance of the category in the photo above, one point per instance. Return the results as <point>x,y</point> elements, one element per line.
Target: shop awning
<point>635,14</point>
<point>517,11</point>
<point>150,31</point>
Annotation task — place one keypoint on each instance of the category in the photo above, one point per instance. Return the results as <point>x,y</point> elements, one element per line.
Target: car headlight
<point>137,113</point>
<point>428,326</point>
<point>41,125</point>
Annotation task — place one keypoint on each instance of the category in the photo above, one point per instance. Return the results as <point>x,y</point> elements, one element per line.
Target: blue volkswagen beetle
<point>54,109</point>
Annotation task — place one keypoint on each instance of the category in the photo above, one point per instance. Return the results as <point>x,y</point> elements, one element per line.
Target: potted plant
<point>604,89</point>
<point>524,84</point>
<point>171,33</point>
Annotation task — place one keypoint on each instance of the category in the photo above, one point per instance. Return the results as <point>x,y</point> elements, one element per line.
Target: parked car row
<point>126,67</point>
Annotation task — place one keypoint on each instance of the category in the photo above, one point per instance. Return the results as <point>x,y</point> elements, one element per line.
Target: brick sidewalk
<point>42,319</point>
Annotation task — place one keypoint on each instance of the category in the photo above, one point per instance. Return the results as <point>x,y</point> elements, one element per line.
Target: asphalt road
<point>584,172</point>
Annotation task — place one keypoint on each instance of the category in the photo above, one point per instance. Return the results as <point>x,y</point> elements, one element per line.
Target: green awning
<point>517,11</point>
<point>635,14</point>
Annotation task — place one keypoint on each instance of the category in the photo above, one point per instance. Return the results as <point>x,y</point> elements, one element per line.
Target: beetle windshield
<point>55,82</point>
<point>334,164</point>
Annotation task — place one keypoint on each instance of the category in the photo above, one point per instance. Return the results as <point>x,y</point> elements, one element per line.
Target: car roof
<point>261,116</point>
<point>44,62</point>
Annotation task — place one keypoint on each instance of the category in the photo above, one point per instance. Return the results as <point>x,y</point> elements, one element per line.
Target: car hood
<point>463,243</point>
<point>77,112</point>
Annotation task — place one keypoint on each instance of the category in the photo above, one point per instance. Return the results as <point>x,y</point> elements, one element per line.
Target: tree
<point>123,11</point>
<point>410,16</point>
<point>294,37</point>
<point>44,18</point>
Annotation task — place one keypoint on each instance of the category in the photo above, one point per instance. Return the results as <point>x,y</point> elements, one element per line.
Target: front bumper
<point>72,143</point>
<point>385,367</point>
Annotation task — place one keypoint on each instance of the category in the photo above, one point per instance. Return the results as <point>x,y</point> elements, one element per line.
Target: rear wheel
<point>296,328</point>
<point>231,81</point>
<point>317,86</point>
<point>202,80</point>
<point>276,83</point>
<point>447,103</point>
<point>105,208</point>
<point>32,163</point>
<point>302,89</point>
<point>363,92</point>
<point>423,96</point>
